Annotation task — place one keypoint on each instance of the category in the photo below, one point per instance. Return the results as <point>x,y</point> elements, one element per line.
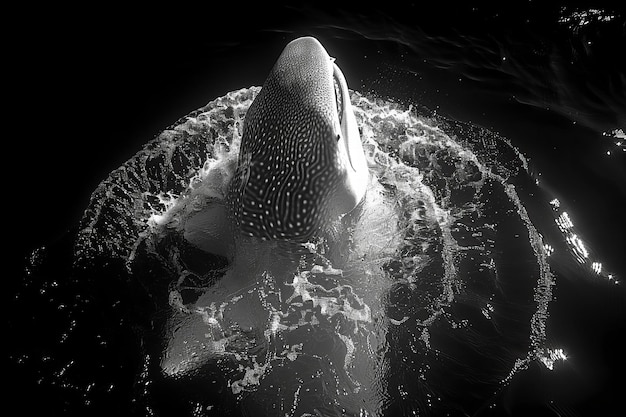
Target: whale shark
<point>301,163</point>
<point>301,167</point>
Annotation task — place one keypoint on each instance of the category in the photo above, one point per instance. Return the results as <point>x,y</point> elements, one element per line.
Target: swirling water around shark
<point>441,301</point>
<point>433,299</point>
<point>424,268</point>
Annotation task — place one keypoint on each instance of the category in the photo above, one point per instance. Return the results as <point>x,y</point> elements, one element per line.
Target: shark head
<point>301,162</point>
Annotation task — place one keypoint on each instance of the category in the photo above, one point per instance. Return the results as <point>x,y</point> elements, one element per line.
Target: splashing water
<point>430,298</point>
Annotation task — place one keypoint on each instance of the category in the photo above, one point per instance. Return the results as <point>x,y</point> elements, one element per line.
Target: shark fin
<point>209,230</point>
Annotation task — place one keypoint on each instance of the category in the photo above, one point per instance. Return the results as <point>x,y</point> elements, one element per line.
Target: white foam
<point>252,377</point>
<point>329,304</point>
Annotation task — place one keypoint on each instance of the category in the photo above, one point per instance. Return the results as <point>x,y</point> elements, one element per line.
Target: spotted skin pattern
<point>289,167</point>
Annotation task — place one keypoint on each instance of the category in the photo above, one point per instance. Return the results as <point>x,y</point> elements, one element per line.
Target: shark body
<point>301,162</point>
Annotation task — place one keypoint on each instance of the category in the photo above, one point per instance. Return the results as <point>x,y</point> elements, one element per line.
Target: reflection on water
<point>576,245</point>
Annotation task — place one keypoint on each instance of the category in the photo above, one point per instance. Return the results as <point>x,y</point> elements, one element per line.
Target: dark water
<point>94,89</point>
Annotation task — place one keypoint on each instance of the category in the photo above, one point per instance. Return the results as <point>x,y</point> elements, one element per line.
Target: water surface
<point>491,254</point>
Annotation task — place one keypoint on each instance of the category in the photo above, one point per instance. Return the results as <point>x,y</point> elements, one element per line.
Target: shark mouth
<point>338,94</point>
<point>342,101</point>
